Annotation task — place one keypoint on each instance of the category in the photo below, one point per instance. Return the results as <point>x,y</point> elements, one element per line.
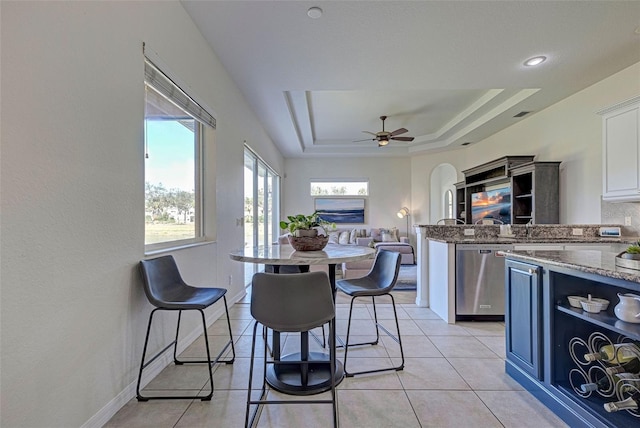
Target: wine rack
<point>595,372</point>
<point>587,334</point>
<point>575,388</point>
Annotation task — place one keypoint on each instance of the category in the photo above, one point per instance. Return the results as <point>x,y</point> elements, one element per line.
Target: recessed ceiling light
<point>314,12</point>
<point>536,60</point>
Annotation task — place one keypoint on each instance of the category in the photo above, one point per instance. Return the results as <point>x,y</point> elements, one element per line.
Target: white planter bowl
<point>575,301</point>
<point>594,305</point>
<point>604,303</point>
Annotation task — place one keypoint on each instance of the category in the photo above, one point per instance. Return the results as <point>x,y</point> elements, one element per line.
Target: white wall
<point>72,197</point>
<point>569,131</point>
<point>389,186</point>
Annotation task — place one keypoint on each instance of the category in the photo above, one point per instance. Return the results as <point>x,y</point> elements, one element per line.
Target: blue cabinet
<point>523,317</point>
<point>546,337</point>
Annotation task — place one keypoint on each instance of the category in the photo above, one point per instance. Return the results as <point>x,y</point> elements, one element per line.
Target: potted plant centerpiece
<point>630,258</point>
<point>632,252</point>
<point>304,231</point>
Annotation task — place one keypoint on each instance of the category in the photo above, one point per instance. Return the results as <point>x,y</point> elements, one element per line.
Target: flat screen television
<point>494,202</point>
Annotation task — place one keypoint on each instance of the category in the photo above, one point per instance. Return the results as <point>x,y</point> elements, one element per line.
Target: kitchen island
<point>547,338</point>
<point>466,256</point>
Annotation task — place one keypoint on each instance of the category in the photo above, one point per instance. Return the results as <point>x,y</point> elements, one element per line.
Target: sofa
<point>378,238</point>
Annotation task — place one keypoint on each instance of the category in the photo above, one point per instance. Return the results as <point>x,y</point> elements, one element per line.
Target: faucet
<point>528,227</point>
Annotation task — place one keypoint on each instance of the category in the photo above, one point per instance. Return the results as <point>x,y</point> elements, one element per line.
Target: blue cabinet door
<point>523,315</point>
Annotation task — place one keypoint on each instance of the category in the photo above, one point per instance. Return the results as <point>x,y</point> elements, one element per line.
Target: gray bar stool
<point>378,282</point>
<point>293,303</point>
<point>166,290</point>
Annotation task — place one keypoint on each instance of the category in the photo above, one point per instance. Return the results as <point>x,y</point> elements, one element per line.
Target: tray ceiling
<point>451,72</point>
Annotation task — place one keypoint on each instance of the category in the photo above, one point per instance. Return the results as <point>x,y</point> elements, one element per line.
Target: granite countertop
<point>589,261</point>
<point>525,240</point>
<point>526,234</point>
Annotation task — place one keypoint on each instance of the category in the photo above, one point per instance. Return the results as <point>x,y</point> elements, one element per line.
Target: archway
<point>443,179</point>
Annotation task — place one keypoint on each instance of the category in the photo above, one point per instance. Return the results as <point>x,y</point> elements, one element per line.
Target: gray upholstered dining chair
<point>378,282</point>
<point>166,290</point>
<point>297,302</point>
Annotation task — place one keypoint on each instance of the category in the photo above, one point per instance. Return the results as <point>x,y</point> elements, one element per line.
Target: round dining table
<point>288,378</point>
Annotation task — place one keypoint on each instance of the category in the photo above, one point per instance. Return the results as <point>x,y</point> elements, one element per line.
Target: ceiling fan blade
<point>399,131</point>
<point>366,139</point>
<point>372,133</point>
<point>402,138</point>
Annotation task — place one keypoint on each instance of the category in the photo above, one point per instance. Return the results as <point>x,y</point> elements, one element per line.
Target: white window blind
<point>161,83</point>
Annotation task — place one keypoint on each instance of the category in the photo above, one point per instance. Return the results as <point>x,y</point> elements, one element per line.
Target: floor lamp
<point>404,213</point>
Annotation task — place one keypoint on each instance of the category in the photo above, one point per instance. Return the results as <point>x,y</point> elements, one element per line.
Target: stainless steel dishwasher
<point>480,281</point>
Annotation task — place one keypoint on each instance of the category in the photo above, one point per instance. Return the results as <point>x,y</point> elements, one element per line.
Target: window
<point>173,135</point>
<point>339,187</point>
<point>448,204</point>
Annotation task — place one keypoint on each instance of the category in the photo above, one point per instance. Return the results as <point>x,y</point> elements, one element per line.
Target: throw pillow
<point>376,235</point>
<point>352,236</point>
<point>388,237</point>
<point>396,233</point>
<point>344,238</point>
<point>334,237</point>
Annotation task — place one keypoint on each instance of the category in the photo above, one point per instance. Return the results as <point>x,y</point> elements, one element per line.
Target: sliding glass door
<point>261,202</point>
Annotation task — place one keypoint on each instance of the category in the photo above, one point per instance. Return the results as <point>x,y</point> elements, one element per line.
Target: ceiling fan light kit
<point>383,137</point>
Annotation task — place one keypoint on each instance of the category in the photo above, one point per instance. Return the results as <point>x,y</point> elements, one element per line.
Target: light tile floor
<point>453,377</point>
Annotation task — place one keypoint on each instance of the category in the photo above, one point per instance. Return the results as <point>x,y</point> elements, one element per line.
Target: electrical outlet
<point>627,221</point>
<point>576,231</point>
<point>230,279</point>
<point>469,232</point>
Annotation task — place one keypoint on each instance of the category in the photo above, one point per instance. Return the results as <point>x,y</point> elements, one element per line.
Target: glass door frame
<point>264,218</point>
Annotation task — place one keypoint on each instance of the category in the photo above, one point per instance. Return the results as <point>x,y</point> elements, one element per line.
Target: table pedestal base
<point>287,378</point>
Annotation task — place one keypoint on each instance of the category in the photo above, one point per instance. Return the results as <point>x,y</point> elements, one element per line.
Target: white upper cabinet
<point>621,151</point>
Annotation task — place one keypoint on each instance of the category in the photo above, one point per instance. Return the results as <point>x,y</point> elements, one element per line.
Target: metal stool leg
<point>397,339</point>
<point>174,344</point>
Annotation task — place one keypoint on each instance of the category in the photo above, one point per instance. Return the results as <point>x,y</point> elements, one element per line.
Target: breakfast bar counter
<point>458,283</point>
<point>547,336</point>
<point>588,261</point>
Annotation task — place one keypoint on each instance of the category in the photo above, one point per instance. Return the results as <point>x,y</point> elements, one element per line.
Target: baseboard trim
<point>120,400</point>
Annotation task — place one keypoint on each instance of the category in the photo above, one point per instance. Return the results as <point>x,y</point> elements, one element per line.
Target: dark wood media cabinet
<point>534,187</point>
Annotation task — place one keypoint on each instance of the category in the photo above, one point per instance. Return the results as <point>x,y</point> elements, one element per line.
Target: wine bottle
<point>604,383</point>
<point>632,366</point>
<point>619,353</point>
<point>630,403</point>
<point>627,382</point>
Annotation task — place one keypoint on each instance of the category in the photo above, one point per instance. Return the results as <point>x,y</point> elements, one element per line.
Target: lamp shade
<point>404,211</point>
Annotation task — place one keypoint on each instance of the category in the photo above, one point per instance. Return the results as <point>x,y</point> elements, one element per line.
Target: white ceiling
<point>449,71</point>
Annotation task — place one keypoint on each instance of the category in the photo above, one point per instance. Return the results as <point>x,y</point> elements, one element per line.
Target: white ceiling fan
<point>383,137</point>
